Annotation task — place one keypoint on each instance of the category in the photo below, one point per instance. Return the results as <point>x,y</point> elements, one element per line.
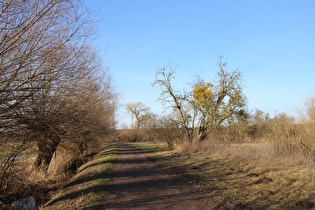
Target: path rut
<point>138,183</point>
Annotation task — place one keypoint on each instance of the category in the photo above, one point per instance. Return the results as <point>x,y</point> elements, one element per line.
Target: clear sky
<point>272,42</point>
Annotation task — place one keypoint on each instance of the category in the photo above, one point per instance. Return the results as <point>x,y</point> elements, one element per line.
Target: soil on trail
<point>138,183</point>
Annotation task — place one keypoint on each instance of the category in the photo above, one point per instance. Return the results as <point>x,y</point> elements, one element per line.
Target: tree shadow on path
<point>136,183</point>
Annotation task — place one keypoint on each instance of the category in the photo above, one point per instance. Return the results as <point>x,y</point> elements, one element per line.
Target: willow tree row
<point>53,89</point>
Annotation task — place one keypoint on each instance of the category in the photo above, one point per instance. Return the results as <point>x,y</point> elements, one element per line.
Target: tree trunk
<point>202,133</point>
<point>46,148</point>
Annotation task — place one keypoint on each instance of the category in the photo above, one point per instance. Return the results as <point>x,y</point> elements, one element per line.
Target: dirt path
<point>139,183</point>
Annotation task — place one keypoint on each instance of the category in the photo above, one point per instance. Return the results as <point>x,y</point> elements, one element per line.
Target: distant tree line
<point>216,109</point>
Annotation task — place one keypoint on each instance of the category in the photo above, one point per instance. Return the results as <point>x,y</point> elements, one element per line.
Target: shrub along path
<point>138,183</point>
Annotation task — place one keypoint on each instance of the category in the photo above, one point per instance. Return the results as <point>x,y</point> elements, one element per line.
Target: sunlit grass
<point>234,172</point>
<point>87,188</point>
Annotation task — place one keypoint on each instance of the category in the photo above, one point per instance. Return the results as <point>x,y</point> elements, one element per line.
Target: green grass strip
<point>88,188</point>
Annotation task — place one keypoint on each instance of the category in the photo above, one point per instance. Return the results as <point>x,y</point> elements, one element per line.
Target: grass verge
<point>149,147</point>
<point>87,188</point>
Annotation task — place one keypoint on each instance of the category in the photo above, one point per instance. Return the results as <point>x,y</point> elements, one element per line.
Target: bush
<point>292,139</point>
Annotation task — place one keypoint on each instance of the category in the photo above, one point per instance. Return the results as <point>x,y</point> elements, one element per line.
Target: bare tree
<point>310,109</point>
<point>140,112</point>
<point>70,110</point>
<point>208,105</point>
<point>90,116</point>
<point>44,63</point>
<point>221,103</point>
<point>178,100</point>
<point>31,33</point>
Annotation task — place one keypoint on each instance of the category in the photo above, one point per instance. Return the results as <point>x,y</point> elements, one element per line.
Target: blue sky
<point>272,42</point>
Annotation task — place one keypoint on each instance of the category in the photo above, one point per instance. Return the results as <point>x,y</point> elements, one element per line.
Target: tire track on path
<point>138,183</point>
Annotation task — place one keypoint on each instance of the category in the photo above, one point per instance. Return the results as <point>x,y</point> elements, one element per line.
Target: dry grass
<point>15,161</point>
<point>276,171</point>
<point>247,174</point>
<point>203,147</point>
<point>86,189</point>
<point>23,181</point>
<point>136,135</point>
